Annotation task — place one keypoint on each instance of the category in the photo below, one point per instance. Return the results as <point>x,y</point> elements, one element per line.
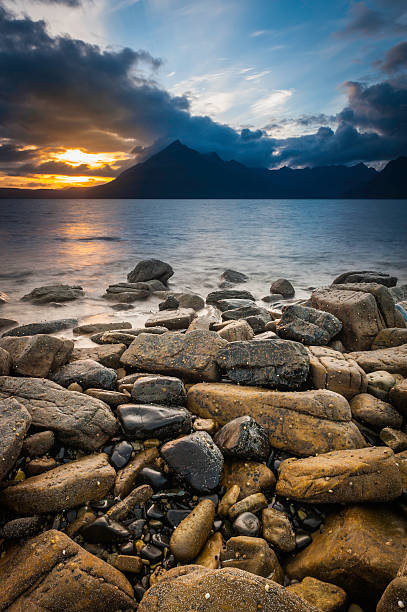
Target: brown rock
<point>39,465</point>
<point>368,474</point>
<point>107,354</point>
<point>5,362</point>
<point>394,439</point>
<point>379,384</point>
<point>210,554</point>
<point>324,596</point>
<point>392,336</point>
<point>126,563</point>
<point>15,421</point>
<point>67,486</point>
<point>111,398</point>
<point>250,476</point>
<point>126,477</point>
<point>94,328</point>
<point>398,396</point>
<point>39,443</point>
<point>303,422</point>
<point>251,503</point>
<point>252,555</point>
<point>36,356</point>
<point>122,509</point>
<point>51,572</point>
<point>277,529</point>
<point>236,331</point>
<point>393,360</point>
<point>230,497</point>
<point>394,598</point>
<point>191,534</point>
<point>171,319</point>
<point>374,412</point>
<point>331,370</point>
<point>401,460</point>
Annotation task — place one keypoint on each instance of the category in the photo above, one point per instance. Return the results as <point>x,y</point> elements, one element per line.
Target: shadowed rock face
<point>38,355</point>
<point>366,276</point>
<point>14,423</point>
<point>308,325</point>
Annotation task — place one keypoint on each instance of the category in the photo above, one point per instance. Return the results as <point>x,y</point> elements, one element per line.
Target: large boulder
<point>77,419</point>
<point>391,336</point>
<point>51,572</point>
<point>171,319</point>
<point>281,364</point>
<point>332,370</point>
<point>150,269</point>
<point>307,325</point>
<point>36,356</point>
<point>87,373</point>
<point>53,293</point>
<point>375,412</point>
<point>303,423</point>
<point>222,590</point>
<point>191,356</point>
<point>393,360</point>
<point>255,316</point>
<point>108,355</point>
<point>46,327</point>
<point>366,276</point>
<point>236,331</point>
<point>360,550</point>
<point>283,287</point>
<point>365,475</point>
<point>15,421</point>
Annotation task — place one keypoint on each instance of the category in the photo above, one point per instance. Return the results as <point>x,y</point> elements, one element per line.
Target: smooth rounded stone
<point>36,356</point>
<point>303,423</point>
<point>243,438</point>
<point>130,564</point>
<point>347,476</point>
<point>154,477</point>
<point>394,597</point>
<point>230,497</point>
<point>324,596</point>
<point>252,555</point>
<point>166,390</point>
<point>235,331</point>
<point>225,305</point>
<point>210,553</point>
<point>246,524</point>
<point>67,486</point>
<point>111,398</point>
<point>208,425</point>
<point>250,476</point>
<point>106,530</point>
<point>359,550</point>
<point>53,293</point>
<point>87,373</point>
<point>39,443</point>
<point>308,325</point>
<point>231,276</point>
<point>6,362</point>
<point>195,459</point>
<point>126,477</point>
<point>94,328</point>
<point>252,504</point>
<point>121,454</point>
<point>75,387</point>
<point>150,269</point>
<point>398,396</point>
<point>279,363</point>
<point>6,323</point>
<point>387,338</point>
<point>191,534</point>
<point>278,530</point>
<point>185,587</point>
<point>40,465</point>
<point>374,412</point>
<point>52,572</point>
<point>255,316</point>
<point>15,421</point>
<point>392,360</point>
<point>330,369</point>
<point>379,384</point>
<point>143,421</point>
<point>228,294</point>
<point>171,319</point>
<point>108,355</point>
<point>190,356</point>
<point>366,276</point>
<point>283,287</point>
<point>394,439</point>
<point>47,327</point>
<point>136,497</point>
<point>23,527</point>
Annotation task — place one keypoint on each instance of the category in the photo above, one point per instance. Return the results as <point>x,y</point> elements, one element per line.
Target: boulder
<point>366,276</point>
<point>166,390</point>
<point>225,305</point>
<point>69,485</point>
<point>255,316</point>
<point>51,572</point>
<point>171,319</point>
<point>324,596</point>
<point>150,269</point>
<point>249,476</point>
<point>278,530</point>
<point>6,362</point>
<point>394,439</point>
<point>393,360</point>
<point>108,355</point>
<point>188,300</point>
<point>398,396</point>
<point>15,421</point>
<point>231,276</point>
<point>308,325</point>
<point>391,336</point>
<point>283,287</point>
<point>394,597</point>
<point>127,297</point>
<point>228,294</point>
<point>53,293</point>
<point>252,555</point>
<point>36,356</point>
<point>303,423</point>
<point>340,477</point>
<point>219,590</point>
<point>77,420</point>
<point>374,412</point>
<point>243,438</point>
<point>282,364</point>
<point>150,421</point>
<point>379,384</point>
<point>191,356</point>
<point>6,323</point>
<point>330,369</point>
<point>170,303</point>
<point>359,550</point>
<point>94,328</point>
<point>190,535</point>
<point>46,327</point>
<point>87,373</point>
<point>39,443</point>
<point>235,331</point>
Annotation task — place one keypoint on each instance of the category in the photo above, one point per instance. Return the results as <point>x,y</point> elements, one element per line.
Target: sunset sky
<point>90,87</point>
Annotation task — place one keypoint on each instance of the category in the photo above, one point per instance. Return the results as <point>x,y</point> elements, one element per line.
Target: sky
<point>91,87</point>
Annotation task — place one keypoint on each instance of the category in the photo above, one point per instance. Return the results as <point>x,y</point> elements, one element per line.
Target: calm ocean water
<point>96,242</point>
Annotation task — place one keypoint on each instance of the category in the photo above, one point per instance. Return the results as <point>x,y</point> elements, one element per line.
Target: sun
<point>76,157</point>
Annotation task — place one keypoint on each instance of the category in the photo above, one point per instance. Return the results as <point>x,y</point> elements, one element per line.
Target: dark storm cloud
<point>60,168</point>
<point>71,3</point>
<point>395,60</point>
<point>11,153</point>
<point>365,21</point>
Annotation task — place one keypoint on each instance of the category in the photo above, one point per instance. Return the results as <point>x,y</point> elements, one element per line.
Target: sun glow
<point>76,157</point>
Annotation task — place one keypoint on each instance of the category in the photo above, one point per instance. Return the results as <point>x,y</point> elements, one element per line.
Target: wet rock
<point>126,563</point>
<point>255,316</point>
<point>53,293</point>
<point>279,363</point>
<point>210,554</point>
<point>336,372</point>
<point>46,327</point>
<point>6,323</point>
<point>251,477</point>
<point>127,296</point>
<point>374,412</point>
<point>23,527</point>
<point>283,287</point>
<point>359,550</point>
<point>122,509</point>
<point>36,356</point>
<point>246,524</point>
<point>236,331</point>
<point>150,269</point>
<point>228,294</point>
<point>386,338</point>
<point>347,476</point>
<point>324,596</point>
<point>196,459</point>
<point>106,530</point>
<point>38,444</point>
<point>120,306</point>
<point>379,384</point>
<point>15,421</point>
<point>94,328</point>
<point>170,303</point>
<point>51,571</point>
<point>308,325</point>
<point>108,355</point>
<point>40,465</point>
<point>366,277</point>
<point>87,373</point>
<point>252,555</point>
<point>121,454</point>
<point>277,530</point>
<point>230,497</point>
<point>191,356</point>
<point>166,390</point>
<point>394,597</point>
<point>231,276</point>
<point>76,419</point>
<point>111,398</point>
<point>225,305</point>
<point>6,362</point>
<point>398,396</point>
<point>393,360</point>
<point>126,478</point>
<point>117,337</point>
<point>191,534</point>
<point>67,486</point>
<point>243,438</point>
<point>394,439</point>
<point>171,319</point>
<point>303,423</point>
<point>252,503</point>
<point>144,421</point>
<point>182,588</point>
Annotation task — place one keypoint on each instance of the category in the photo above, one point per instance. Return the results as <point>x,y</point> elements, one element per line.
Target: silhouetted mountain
<point>180,172</point>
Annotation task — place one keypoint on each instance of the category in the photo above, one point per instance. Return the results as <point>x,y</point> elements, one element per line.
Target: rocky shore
<point>238,452</point>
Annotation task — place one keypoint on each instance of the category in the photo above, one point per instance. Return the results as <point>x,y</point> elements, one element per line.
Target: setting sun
<point>76,157</point>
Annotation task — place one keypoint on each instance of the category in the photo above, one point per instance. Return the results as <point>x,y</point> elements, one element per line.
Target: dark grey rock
<point>122,306</point>
<point>189,300</point>
<point>171,319</point>
<point>224,305</point>
<point>170,303</point>
<point>47,327</point>
<point>98,338</point>
<point>308,325</point>
<point>15,421</point>
<point>108,355</point>
<point>366,276</point>
<point>87,373</point>
<point>150,269</point>
<point>284,287</point>
<point>228,294</point>
<point>231,276</point>
<point>142,421</point>
<point>94,328</point>
<point>256,316</point>
<point>105,530</point>
<point>53,293</point>
<point>121,454</point>
<point>243,438</point>
<point>247,524</point>
<point>24,527</point>
<point>166,390</point>
<point>127,287</point>
<point>6,323</point>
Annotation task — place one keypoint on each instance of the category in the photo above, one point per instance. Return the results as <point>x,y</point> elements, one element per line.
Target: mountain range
<point>180,172</point>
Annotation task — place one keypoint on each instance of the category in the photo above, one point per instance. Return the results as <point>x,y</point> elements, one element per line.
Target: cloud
<point>364,21</point>
<point>395,60</point>
<point>60,168</point>
<point>70,3</point>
